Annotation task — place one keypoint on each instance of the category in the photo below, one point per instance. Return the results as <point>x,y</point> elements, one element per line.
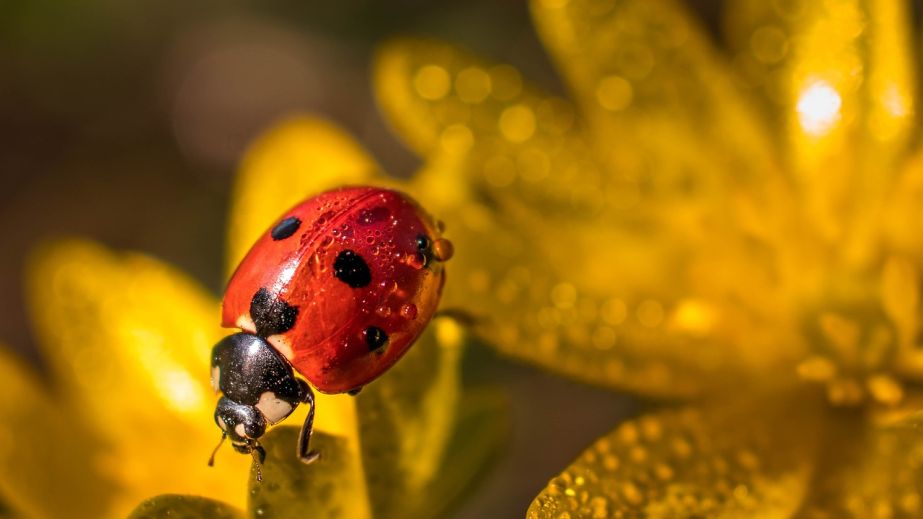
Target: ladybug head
<point>243,424</point>
<point>258,389</point>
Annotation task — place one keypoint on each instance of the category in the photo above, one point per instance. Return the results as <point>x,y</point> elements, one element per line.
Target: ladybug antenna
<point>259,456</point>
<point>211,459</point>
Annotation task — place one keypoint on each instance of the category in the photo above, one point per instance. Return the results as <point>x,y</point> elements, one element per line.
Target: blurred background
<point>124,122</point>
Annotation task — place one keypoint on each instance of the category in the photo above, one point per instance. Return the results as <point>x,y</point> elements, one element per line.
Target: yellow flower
<point>739,232</point>
<point>743,238</point>
<point>128,415</point>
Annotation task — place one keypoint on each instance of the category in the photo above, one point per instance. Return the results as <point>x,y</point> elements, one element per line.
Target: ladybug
<point>337,290</point>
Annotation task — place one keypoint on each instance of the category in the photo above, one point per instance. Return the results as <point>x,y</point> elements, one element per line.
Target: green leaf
<point>406,420</point>
<point>330,487</point>
<point>184,507</point>
<point>482,429</point>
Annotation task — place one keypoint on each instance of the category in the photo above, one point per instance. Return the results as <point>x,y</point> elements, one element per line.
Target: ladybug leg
<point>304,439</point>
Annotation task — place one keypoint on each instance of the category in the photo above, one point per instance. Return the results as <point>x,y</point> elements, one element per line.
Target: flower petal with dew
<point>574,285</point>
<point>709,256</point>
<point>749,459</point>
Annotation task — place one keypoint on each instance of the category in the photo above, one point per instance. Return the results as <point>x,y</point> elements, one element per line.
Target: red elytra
<point>353,276</point>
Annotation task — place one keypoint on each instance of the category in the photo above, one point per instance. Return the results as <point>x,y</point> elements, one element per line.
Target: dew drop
<point>443,249</point>
<point>416,260</point>
<point>409,311</point>
<point>373,215</point>
<point>385,311</point>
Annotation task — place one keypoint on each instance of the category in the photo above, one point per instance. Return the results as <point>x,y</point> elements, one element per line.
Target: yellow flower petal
<point>567,282</point>
<point>128,339</point>
<point>663,109</point>
<point>295,159</point>
<point>904,209</point>
<point>517,143</point>
<point>841,75</point>
<point>406,419</point>
<point>593,300</point>
<point>749,460</point>
<point>868,471</point>
<point>39,437</point>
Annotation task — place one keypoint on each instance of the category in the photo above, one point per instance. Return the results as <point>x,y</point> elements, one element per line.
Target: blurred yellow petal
<point>518,144</point>
<point>295,159</point>
<point>571,248</point>
<point>39,437</point>
<point>590,300</point>
<point>332,486</point>
<point>900,277</point>
<point>841,75</point>
<point>406,419</point>
<point>868,471</point>
<point>663,108</point>
<point>749,460</point>
<point>904,209</point>
<point>128,339</point>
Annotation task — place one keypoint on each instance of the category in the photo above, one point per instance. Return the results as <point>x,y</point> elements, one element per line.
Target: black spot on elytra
<point>270,314</point>
<point>375,337</point>
<point>423,242</point>
<point>285,228</point>
<point>425,248</point>
<point>351,269</point>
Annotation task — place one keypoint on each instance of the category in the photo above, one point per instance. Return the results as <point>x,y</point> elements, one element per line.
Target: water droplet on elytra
<point>384,311</point>
<point>409,311</point>
<point>416,260</point>
<point>443,249</point>
<point>374,215</point>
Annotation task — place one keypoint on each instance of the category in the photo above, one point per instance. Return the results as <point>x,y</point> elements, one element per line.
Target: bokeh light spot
<point>431,82</point>
<point>614,93</point>
<point>818,107</point>
<point>517,123</point>
<point>473,85</point>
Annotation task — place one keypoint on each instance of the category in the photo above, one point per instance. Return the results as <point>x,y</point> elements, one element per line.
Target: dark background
<point>123,121</point>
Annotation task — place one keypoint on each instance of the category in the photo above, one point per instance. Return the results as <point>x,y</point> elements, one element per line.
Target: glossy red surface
<point>327,343</point>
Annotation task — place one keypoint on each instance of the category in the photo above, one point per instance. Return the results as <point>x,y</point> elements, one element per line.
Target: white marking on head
<point>239,429</point>
<point>224,426</point>
<point>282,345</point>
<point>273,408</point>
<point>245,323</point>
<point>216,377</point>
